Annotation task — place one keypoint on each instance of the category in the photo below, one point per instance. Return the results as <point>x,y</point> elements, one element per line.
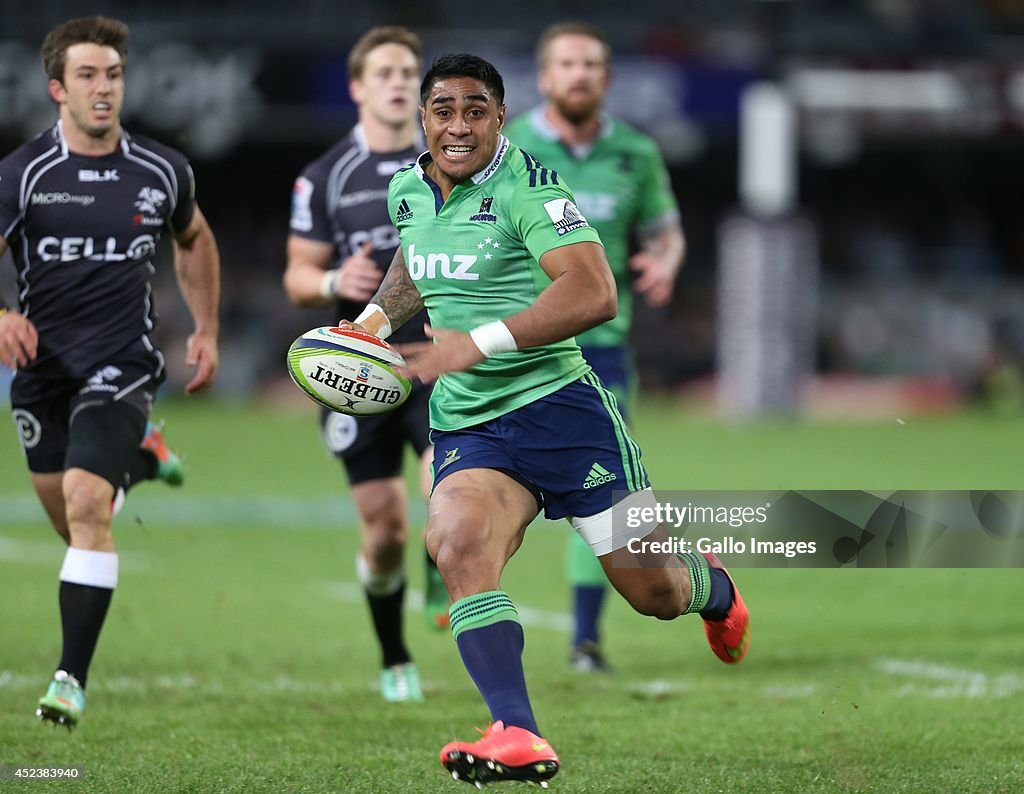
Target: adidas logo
<point>403,213</point>
<point>598,475</point>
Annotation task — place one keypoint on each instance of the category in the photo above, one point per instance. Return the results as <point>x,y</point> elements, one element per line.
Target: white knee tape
<point>609,530</point>
<point>378,584</point>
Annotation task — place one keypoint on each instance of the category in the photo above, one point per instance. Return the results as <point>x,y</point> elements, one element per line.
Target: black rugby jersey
<point>341,198</point>
<point>83,231</point>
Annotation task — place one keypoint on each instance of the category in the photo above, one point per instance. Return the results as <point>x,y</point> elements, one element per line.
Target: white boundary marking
<point>334,512</point>
<point>352,593</point>
<point>942,681</point>
<point>928,679</point>
<point>50,554</point>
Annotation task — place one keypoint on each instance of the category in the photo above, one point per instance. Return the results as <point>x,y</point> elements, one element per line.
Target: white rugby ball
<point>350,372</point>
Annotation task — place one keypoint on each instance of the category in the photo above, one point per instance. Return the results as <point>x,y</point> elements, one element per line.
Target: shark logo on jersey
<point>564,215</point>
<point>148,203</point>
<point>104,374</point>
<point>485,213</point>
<point>150,200</point>
<point>455,267</point>
<point>100,380</point>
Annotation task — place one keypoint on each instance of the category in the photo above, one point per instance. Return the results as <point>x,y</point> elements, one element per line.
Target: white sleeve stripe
<point>172,195</point>
<point>23,195</point>
<point>334,197</point>
<point>160,160</point>
<point>36,177</point>
<point>166,167</point>
<point>332,179</point>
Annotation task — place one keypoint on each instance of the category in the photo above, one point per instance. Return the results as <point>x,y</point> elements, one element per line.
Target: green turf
<point>237,656</point>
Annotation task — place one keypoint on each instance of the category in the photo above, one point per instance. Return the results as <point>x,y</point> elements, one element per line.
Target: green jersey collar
<point>482,176</point>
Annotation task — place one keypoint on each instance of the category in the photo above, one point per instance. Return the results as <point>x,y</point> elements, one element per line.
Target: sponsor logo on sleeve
<point>564,215</point>
<point>404,212</point>
<point>302,201</point>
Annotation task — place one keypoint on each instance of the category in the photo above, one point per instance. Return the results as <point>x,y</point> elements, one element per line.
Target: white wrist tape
<point>371,309</point>
<point>493,338</point>
<point>329,284</point>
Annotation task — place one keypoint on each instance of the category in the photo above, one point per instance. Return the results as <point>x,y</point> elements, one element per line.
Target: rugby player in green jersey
<point>493,246</point>
<point>621,186</point>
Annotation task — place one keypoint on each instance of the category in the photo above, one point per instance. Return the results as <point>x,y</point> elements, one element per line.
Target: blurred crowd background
<point>910,160</point>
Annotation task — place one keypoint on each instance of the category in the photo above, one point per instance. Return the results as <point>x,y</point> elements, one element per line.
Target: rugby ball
<point>350,372</point>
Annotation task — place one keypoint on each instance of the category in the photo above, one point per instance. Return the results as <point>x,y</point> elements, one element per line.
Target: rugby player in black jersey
<point>340,246</point>
<point>82,208</point>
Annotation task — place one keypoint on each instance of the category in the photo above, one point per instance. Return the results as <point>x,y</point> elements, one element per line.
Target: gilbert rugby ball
<point>350,372</point>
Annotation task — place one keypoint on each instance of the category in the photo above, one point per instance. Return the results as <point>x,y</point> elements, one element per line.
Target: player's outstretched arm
<point>197,266</point>
<point>396,301</point>
<point>581,295</point>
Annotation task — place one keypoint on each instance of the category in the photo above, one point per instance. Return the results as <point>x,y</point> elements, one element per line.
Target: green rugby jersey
<point>620,184</point>
<point>474,259</point>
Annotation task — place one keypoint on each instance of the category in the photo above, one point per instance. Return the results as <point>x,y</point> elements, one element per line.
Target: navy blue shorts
<point>571,449</point>
<point>614,366</point>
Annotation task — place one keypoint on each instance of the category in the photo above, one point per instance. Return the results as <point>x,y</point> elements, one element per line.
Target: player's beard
<point>578,110</point>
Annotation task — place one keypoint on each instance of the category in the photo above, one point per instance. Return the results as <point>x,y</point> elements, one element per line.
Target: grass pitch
<point>238,656</point>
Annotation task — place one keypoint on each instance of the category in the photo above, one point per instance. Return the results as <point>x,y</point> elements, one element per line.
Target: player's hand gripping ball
<point>350,372</point>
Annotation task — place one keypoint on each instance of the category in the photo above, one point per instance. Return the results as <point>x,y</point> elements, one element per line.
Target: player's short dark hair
<point>571,28</point>
<point>104,31</point>
<point>462,64</point>
<point>375,37</point>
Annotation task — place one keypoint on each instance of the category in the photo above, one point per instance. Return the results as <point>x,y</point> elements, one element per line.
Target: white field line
<point>659,688</point>
<point>789,691</point>
<point>927,679</point>
<point>352,592</point>
<point>51,553</point>
<point>181,683</point>
<point>182,510</point>
<point>942,681</point>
